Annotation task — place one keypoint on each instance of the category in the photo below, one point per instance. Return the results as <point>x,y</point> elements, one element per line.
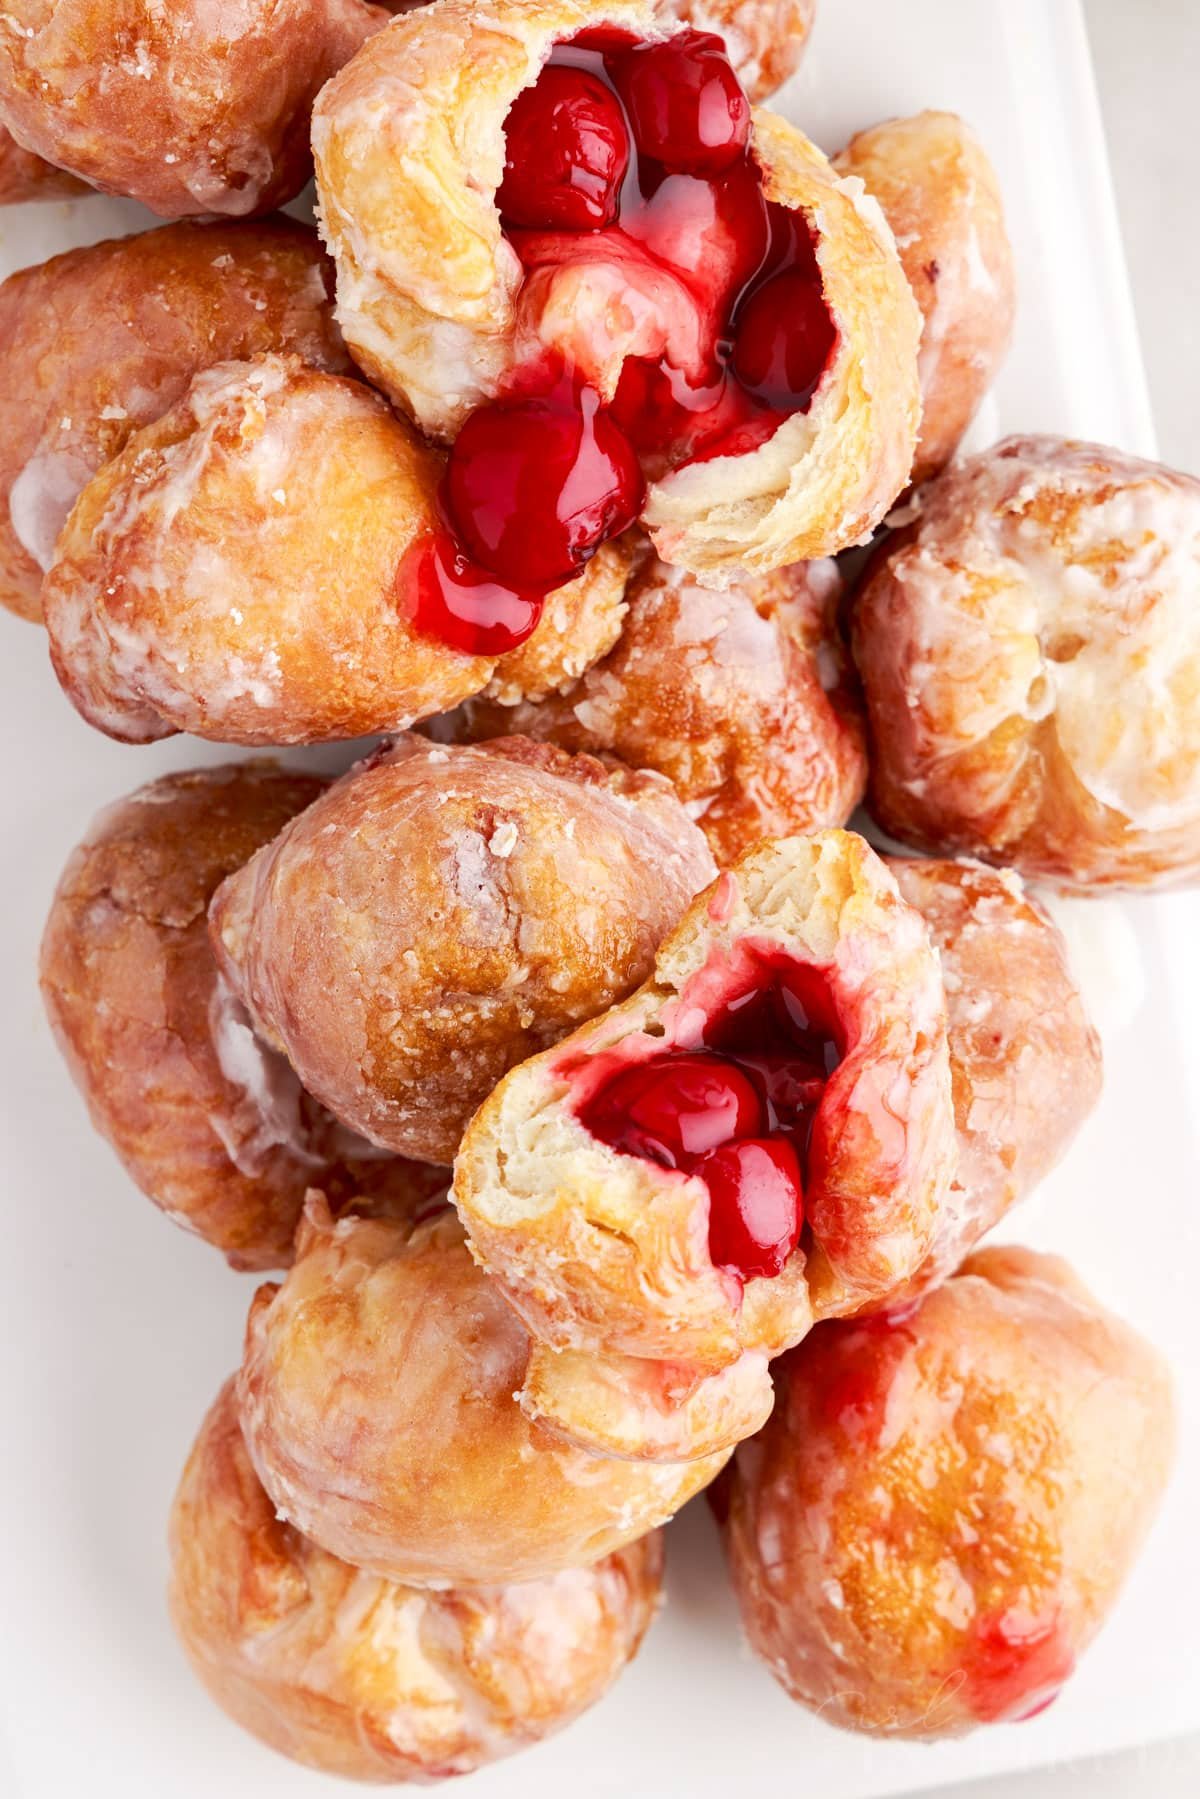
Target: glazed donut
<point>99,342</point>
<point>1030,651</point>
<point>765,39</point>
<point>728,322</point>
<point>440,914</point>
<point>742,699</point>
<point>943,1508</point>
<point>1025,1063</point>
<point>940,195</point>
<point>190,108</point>
<point>361,1677</point>
<point>210,1122</point>
<point>376,1397</point>
<point>249,569</point>
<point>760,1136</point>
<point>24,176</point>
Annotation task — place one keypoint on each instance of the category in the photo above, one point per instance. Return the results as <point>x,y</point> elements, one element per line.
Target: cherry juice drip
<point>635,155</point>
<point>737,1110</point>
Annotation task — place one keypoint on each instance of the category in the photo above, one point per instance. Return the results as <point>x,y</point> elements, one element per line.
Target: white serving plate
<point>118,1329</point>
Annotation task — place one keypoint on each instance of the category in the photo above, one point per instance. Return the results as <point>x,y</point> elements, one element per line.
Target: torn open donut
<point>101,341</point>
<point>566,247</point>
<point>210,1122</point>
<point>247,569</point>
<point>761,1136</point>
<point>377,1400</point>
<point>440,914</point>
<point>367,1678</point>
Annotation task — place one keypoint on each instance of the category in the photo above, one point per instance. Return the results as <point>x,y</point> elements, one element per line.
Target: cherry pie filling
<point>736,1110</point>
<point>628,162</point>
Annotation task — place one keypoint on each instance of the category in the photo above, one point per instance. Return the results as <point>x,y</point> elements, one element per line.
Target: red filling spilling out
<point>1017,1667</point>
<point>737,1111</point>
<point>636,156</point>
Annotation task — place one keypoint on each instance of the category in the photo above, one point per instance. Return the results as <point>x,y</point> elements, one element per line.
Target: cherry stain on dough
<point>737,1112</point>
<point>635,153</point>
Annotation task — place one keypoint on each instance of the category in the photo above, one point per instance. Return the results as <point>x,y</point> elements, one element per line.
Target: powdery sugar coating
<point>369,1679</point>
<point>1030,653</point>
<point>443,913</point>
<point>943,1507</point>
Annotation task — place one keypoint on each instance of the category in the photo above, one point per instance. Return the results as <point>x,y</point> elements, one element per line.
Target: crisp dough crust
<point>606,1255</point>
<point>247,569</point>
<point>376,1396</point>
<point>189,107</point>
<point>210,1123</point>
<point>942,1510</point>
<point>369,1679</point>
<point>24,176</point>
<point>409,146</point>
<point>101,341</point>
<point>1030,652</point>
<point>1025,1062</point>
<point>939,193</point>
<point>443,913</point>
<point>743,699</point>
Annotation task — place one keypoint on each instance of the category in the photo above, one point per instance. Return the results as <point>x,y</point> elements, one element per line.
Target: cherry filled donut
<point>940,195</point>
<point>376,1397</point>
<point>743,699</point>
<point>368,1679</point>
<point>760,1136</point>
<point>943,1508</point>
<point>189,108</point>
<point>211,1123</point>
<point>1030,652</point>
<point>571,251</point>
<point>1025,1062</point>
<point>24,176</point>
<point>101,341</point>
<point>244,570</point>
<point>440,914</point>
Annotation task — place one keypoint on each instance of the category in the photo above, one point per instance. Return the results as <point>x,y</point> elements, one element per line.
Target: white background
<point>116,1329</point>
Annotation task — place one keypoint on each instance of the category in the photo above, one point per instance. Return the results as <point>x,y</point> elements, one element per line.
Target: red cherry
<point>462,605</point>
<point>567,153</point>
<point>685,103</point>
<point>674,1108</point>
<point>535,486</point>
<point>715,234</point>
<point>756,1205</point>
<point>784,335</point>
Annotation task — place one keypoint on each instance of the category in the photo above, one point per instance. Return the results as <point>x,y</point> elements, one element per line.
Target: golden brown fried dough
<point>210,1123</point>
<point>942,1510</point>
<point>442,913</point>
<point>377,1400</point>
<point>369,1679</point>
<point>1030,652</point>
<point>101,341</point>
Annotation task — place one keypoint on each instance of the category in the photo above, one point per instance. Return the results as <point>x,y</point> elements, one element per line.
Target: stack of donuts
<point>616,1122</point>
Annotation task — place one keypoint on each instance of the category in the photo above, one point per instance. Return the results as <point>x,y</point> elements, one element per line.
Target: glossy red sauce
<point>635,156</point>
<point>736,1111</point>
<point>1016,1668</point>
